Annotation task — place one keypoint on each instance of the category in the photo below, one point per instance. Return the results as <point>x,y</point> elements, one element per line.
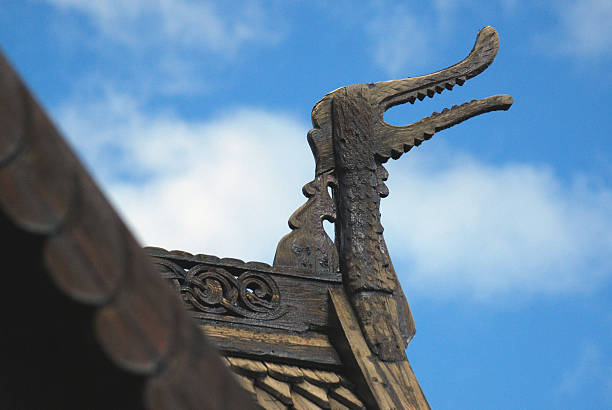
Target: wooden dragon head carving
<point>350,141</point>
<point>393,141</point>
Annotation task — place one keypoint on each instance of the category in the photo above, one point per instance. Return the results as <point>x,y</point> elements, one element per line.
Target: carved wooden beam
<point>350,141</point>
<point>383,385</point>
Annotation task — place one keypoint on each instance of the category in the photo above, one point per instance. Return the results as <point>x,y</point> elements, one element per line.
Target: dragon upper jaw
<point>387,94</point>
<point>391,141</point>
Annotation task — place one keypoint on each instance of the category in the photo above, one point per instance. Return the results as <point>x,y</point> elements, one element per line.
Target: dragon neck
<point>368,274</point>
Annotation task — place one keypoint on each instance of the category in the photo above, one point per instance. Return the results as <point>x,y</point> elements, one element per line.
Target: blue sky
<point>193,117</point>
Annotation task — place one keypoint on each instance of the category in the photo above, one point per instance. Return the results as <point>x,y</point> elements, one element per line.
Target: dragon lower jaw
<point>394,141</point>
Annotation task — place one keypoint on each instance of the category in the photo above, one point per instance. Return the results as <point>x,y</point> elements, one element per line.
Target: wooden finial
<point>350,142</point>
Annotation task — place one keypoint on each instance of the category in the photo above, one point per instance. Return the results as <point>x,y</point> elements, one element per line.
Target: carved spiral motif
<point>259,292</point>
<point>210,289</point>
<point>216,291</point>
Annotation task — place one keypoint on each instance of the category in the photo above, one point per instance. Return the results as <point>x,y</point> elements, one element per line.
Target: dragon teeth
<point>461,80</point>
<point>421,95</point>
<point>397,152</point>
<point>430,93</point>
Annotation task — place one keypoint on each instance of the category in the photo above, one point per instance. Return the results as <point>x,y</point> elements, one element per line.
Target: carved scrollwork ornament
<point>214,290</point>
<point>259,292</point>
<point>210,289</point>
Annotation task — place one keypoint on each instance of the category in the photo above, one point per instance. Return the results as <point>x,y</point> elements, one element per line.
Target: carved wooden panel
<point>252,293</point>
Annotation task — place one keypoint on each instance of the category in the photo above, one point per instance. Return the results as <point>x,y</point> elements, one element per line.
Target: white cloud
<point>592,370</point>
<point>583,30</point>
<point>182,22</point>
<point>405,39</point>
<point>461,227</point>
<point>224,187</point>
<point>167,46</point>
<point>399,39</point>
<point>455,226</point>
<point>451,6</point>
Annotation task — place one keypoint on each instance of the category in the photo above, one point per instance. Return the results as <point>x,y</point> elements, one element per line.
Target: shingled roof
<point>274,385</point>
<point>87,322</point>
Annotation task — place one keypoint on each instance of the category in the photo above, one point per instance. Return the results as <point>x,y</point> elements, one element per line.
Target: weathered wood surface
<point>186,259</point>
<point>87,321</point>
<point>277,385</point>
<point>383,385</point>
<point>308,246</point>
<point>370,279</point>
<point>312,348</point>
<point>250,294</point>
<point>285,372</point>
<point>350,141</point>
